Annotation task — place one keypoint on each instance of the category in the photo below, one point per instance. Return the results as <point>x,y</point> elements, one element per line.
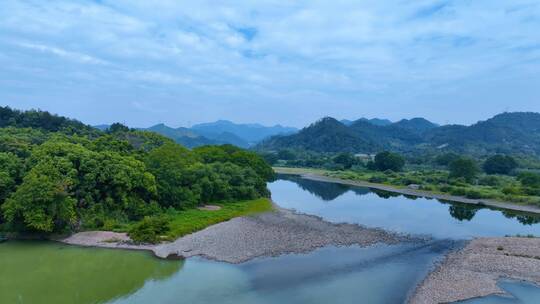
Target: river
<point>46,272</point>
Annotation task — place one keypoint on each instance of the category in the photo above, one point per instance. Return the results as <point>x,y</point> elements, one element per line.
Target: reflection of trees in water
<point>324,190</point>
<point>385,194</point>
<point>522,217</point>
<point>65,274</point>
<point>462,212</point>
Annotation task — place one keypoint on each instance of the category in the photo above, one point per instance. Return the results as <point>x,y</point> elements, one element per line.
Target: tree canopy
<point>464,168</point>
<point>499,164</point>
<point>389,161</point>
<point>63,175</point>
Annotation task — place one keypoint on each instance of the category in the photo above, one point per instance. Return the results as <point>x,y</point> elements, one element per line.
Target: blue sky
<point>183,62</point>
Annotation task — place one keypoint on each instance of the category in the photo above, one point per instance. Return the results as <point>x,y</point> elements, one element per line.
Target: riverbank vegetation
<point>177,223</point>
<point>58,175</point>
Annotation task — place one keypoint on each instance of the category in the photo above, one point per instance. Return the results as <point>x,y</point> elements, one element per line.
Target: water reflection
<point>327,275</point>
<point>47,272</point>
<point>401,213</point>
<point>324,191</point>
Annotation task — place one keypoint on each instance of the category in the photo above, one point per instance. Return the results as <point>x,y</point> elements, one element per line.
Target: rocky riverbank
<point>245,238</point>
<point>474,270</point>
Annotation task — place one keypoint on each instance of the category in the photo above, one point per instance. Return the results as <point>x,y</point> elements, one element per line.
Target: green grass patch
<point>192,220</point>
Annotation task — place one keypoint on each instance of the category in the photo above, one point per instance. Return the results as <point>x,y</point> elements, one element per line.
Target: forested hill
<point>505,133</point>
<point>325,135</point>
<point>59,175</point>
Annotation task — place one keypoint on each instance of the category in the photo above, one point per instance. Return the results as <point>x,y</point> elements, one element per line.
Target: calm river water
<point>45,272</point>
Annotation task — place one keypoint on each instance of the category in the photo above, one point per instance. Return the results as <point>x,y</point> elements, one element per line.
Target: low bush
<point>149,230</point>
<point>474,194</point>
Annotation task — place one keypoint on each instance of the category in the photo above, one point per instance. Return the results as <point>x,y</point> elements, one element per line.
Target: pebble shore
<point>244,238</point>
<point>474,270</point>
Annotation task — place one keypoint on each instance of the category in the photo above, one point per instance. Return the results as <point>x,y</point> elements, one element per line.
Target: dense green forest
<point>59,175</point>
<point>506,133</point>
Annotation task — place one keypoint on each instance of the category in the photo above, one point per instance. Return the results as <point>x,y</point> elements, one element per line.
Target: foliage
<point>465,168</point>
<point>67,176</point>
<point>43,202</point>
<point>500,164</point>
<point>347,160</point>
<point>11,170</point>
<point>507,133</point>
<point>446,159</point>
<point>389,161</point>
<point>42,120</point>
<point>235,155</point>
<point>529,179</point>
<point>191,220</point>
<point>149,230</point>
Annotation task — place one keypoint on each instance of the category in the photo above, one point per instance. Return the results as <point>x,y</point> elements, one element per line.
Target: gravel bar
<point>244,238</point>
<point>272,234</point>
<point>474,270</point>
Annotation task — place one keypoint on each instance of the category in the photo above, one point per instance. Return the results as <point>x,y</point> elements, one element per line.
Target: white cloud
<point>355,53</point>
<point>83,58</point>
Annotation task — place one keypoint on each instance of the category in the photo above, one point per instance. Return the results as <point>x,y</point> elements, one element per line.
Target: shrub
<point>489,180</point>
<point>377,179</point>
<point>149,230</point>
<point>389,161</point>
<point>458,191</point>
<point>500,164</point>
<point>473,194</point>
<point>511,190</point>
<point>464,167</point>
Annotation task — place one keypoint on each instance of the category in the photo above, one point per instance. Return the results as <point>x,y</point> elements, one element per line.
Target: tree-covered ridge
<point>42,120</point>
<point>507,133</point>
<point>66,176</point>
<point>325,135</point>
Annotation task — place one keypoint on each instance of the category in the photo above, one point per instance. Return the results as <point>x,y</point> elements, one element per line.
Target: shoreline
<point>241,239</point>
<point>475,270</point>
<point>417,193</point>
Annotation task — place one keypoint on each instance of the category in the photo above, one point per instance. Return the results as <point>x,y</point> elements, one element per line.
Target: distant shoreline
<point>311,175</point>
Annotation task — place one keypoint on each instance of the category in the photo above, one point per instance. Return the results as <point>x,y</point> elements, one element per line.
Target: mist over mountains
<point>218,133</point>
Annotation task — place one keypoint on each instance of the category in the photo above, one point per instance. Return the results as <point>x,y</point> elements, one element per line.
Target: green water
<point>51,273</point>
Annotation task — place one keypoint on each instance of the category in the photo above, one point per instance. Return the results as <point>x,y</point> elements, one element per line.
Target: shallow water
<point>46,272</point>
<point>68,274</point>
<point>518,293</point>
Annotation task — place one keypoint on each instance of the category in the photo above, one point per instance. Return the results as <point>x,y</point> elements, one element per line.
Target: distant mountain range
<point>217,133</point>
<point>374,121</point>
<point>504,133</point>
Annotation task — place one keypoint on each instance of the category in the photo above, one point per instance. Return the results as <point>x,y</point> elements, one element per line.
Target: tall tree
<point>500,164</point>
<point>465,168</point>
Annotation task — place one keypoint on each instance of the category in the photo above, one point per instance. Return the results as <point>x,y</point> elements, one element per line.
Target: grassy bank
<point>176,223</point>
<point>189,221</point>
<point>492,187</point>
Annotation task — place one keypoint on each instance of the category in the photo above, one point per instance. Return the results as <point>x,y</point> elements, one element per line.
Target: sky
<point>286,62</point>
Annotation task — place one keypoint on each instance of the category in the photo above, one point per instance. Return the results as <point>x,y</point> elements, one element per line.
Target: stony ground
<point>244,238</point>
<point>272,234</point>
<point>474,270</point>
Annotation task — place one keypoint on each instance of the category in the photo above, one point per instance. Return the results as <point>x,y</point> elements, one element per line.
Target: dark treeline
<point>58,174</point>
